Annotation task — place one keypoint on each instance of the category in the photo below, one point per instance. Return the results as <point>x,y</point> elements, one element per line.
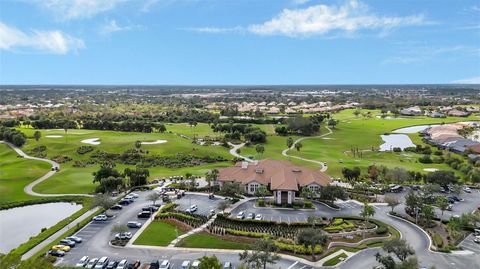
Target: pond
<point>395,141</point>
<point>413,129</point>
<point>18,224</point>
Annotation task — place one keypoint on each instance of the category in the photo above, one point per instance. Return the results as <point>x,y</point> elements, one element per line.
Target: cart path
<point>322,164</point>
<point>29,188</point>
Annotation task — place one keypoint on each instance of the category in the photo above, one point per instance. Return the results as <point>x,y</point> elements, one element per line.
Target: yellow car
<point>61,247</point>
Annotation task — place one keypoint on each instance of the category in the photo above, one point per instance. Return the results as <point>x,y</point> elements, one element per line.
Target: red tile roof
<point>280,174</point>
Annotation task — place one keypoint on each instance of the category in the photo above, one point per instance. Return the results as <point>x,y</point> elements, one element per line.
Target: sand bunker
<point>327,138</point>
<point>54,136</point>
<point>430,169</point>
<point>91,141</point>
<point>154,142</point>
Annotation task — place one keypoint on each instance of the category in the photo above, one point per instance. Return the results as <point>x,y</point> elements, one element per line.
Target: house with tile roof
<point>281,177</point>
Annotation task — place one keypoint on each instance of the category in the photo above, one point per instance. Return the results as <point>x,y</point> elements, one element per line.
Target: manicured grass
<point>16,173</point>
<point>203,240</point>
<point>333,261</point>
<point>158,233</point>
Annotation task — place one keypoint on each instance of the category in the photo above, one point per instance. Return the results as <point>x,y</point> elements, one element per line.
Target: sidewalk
<point>56,235</point>
<point>194,231</point>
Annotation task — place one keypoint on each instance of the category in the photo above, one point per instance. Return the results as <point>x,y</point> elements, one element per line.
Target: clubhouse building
<point>281,177</point>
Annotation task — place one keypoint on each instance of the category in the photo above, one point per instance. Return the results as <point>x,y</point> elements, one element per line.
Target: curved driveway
<point>29,188</point>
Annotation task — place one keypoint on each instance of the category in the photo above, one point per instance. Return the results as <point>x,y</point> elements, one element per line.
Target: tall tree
<point>311,238</point>
<point>263,253</point>
<point>442,203</point>
<point>367,212</point>
<point>260,149</point>
<point>392,202</point>
<point>298,145</point>
<point>224,204</point>
<point>399,247</point>
<point>211,262</point>
<point>37,135</point>
<point>154,197</point>
<point>138,144</point>
<point>211,176</point>
<point>102,200</point>
<point>289,142</point>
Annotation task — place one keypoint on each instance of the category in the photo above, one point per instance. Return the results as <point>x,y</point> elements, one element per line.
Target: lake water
<point>18,224</point>
<point>395,141</point>
<point>413,129</point>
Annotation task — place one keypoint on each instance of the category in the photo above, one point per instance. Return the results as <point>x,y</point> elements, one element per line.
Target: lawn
<point>333,261</point>
<point>158,233</point>
<point>16,173</point>
<point>79,180</point>
<point>204,240</point>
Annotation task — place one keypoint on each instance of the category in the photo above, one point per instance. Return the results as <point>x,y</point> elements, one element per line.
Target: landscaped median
<point>348,233</point>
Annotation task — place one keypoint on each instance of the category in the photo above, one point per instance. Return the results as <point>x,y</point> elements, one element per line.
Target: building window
<point>253,187</point>
<point>314,187</point>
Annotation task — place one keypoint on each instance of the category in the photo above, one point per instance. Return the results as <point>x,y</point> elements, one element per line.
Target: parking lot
<point>468,244</point>
<point>203,203</point>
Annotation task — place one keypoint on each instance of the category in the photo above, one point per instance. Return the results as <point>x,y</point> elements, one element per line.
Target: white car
<point>134,195</point>
<point>250,216</point>
<point>82,262</point>
<point>75,239</point>
<point>195,264</point>
<point>227,265</point>
<point>476,239</point>
<point>165,265</point>
<point>185,265</point>
<point>259,217</point>
<point>123,236</point>
<point>91,263</point>
<point>102,263</point>
<point>100,218</point>
<point>192,209</point>
<point>467,190</point>
<point>122,264</point>
<point>240,215</point>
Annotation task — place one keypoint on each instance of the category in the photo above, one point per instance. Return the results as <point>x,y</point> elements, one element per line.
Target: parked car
<point>56,253</point>
<point>192,209</point>
<point>122,264</point>
<point>154,265</point>
<point>185,265</point>
<point>450,207</point>
<point>82,262</point>
<point>124,202</point>
<point>211,213</point>
<point>67,242</point>
<point>476,239</point>
<point>133,264</point>
<point>165,264</point>
<point>116,207</point>
<point>144,215</point>
<point>112,265</point>
<point>134,224</point>
<point>74,238</point>
<point>259,217</point>
<point>227,265</point>
<point>250,216</point>
<point>150,208</point>
<point>102,263</point>
<point>61,247</point>
<point>467,190</point>
<point>91,263</point>
<point>450,200</point>
<point>123,236</point>
<point>195,264</point>
<point>134,195</point>
<point>100,218</point>
<point>240,215</point>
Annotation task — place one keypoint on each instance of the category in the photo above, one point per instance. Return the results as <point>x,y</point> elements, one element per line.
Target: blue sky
<point>239,41</point>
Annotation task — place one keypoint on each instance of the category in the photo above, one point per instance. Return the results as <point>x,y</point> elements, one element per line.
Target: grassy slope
<point>16,173</point>
<point>158,233</point>
<point>203,240</point>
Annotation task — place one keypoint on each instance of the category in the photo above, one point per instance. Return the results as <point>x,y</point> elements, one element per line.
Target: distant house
<point>436,114</point>
<point>411,111</point>
<point>461,145</point>
<point>281,177</point>
<point>458,113</point>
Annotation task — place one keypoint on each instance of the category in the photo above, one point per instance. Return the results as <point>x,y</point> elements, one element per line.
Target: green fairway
<point>158,233</point>
<point>16,173</point>
<point>204,240</point>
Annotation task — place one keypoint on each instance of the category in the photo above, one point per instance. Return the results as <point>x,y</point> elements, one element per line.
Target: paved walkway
<point>233,151</point>
<point>194,231</point>
<point>56,235</point>
<point>29,188</point>
<point>322,164</point>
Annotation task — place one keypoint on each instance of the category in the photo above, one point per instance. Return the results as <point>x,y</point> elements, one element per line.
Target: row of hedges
<point>339,225</point>
<point>297,249</point>
<point>69,199</point>
<point>243,233</point>
<point>191,220</point>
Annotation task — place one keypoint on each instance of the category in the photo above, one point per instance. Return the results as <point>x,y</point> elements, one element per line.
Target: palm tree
<point>212,176</point>
<point>289,142</point>
<point>367,212</point>
<point>260,149</point>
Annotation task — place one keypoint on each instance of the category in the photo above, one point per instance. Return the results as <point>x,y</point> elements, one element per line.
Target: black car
<point>112,265</point>
<point>451,200</point>
<point>56,253</point>
<point>133,265</point>
<point>144,215</point>
<point>116,207</point>
<point>150,208</point>
<point>154,265</point>
<point>124,202</point>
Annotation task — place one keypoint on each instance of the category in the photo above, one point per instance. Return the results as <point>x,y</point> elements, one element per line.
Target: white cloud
<point>323,19</point>
<point>474,80</point>
<point>215,30</point>
<point>148,5</point>
<point>77,9</point>
<point>475,8</point>
<point>112,26</point>
<point>45,41</point>
<point>300,2</point>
